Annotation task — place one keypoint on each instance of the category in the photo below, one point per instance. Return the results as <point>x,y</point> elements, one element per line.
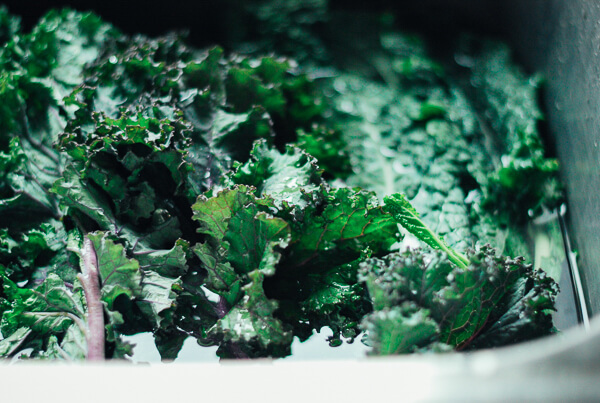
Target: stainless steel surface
<point>561,38</point>
<point>571,263</point>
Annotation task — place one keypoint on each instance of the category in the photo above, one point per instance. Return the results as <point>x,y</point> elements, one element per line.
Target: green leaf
<point>168,262</point>
<point>35,77</point>
<point>406,215</point>
<point>29,255</point>
<point>235,133</point>
<point>463,304</point>
<point>273,83</point>
<point>119,275</point>
<point>434,160</point>
<point>329,148</point>
<point>169,343</point>
<point>207,73</point>
<point>255,241</point>
<point>250,324</point>
<point>350,221</point>
<point>335,299</point>
<point>75,194</point>
<point>11,344</point>
<point>29,172</point>
<point>285,177</point>
<point>222,277</point>
<point>246,89</point>
<point>241,238</point>
<point>213,214</point>
<point>157,297</point>
<point>73,346</point>
<point>46,312</point>
<point>523,314</point>
<point>400,330</point>
<point>50,307</point>
<point>86,202</point>
<point>526,178</point>
<point>399,277</point>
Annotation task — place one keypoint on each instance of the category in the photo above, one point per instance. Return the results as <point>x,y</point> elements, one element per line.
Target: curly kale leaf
<point>254,239</point>
<point>526,178</point>
<point>289,97</point>
<point>336,232</point>
<point>244,244</point>
<point>333,298</point>
<point>462,294</point>
<point>35,77</point>
<point>130,172</point>
<point>169,262</point>
<point>402,329</point>
<point>330,231</point>
<point>305,239</point>
<point>229,102</point>
<point>250,329</point>
<point>286,177</point>
<point>525,315</point>
<point>50,319</point>
<point>329,148</point>
<point>30,255</point>
<point>214,213</point>
<point>328,226</point>
<point>436,304</point>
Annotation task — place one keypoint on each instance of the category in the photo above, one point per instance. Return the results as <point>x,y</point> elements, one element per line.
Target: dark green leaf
<point>400,330</point>
<point>462,303</point>
<point>349,222</point>
<point>406,215</point>
<point>250,326</point>
<point>284,177</point>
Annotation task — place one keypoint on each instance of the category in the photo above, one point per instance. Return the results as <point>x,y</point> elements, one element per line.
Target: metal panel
<point>562,40</point>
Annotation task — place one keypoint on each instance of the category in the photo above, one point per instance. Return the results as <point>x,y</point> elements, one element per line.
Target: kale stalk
<point>90,281</point>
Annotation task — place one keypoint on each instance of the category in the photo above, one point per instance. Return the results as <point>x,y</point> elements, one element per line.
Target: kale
<point>242,199</point>
<point>290,28</point>
<point>443,300</point>
<point>525,176</point>
<point>407,216</point>
<point>423,301</point>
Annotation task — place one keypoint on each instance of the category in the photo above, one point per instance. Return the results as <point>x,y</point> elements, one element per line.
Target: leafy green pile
<point>147,186</point>
<point>439,301</point>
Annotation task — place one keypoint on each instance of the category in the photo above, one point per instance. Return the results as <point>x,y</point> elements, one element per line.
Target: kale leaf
<point>236,197</point>
<point>423,301</point>
<point>526,175</point>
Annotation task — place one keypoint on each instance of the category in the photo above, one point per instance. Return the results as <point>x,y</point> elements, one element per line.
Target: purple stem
<point>221,308</point>
<point>90,280</point>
